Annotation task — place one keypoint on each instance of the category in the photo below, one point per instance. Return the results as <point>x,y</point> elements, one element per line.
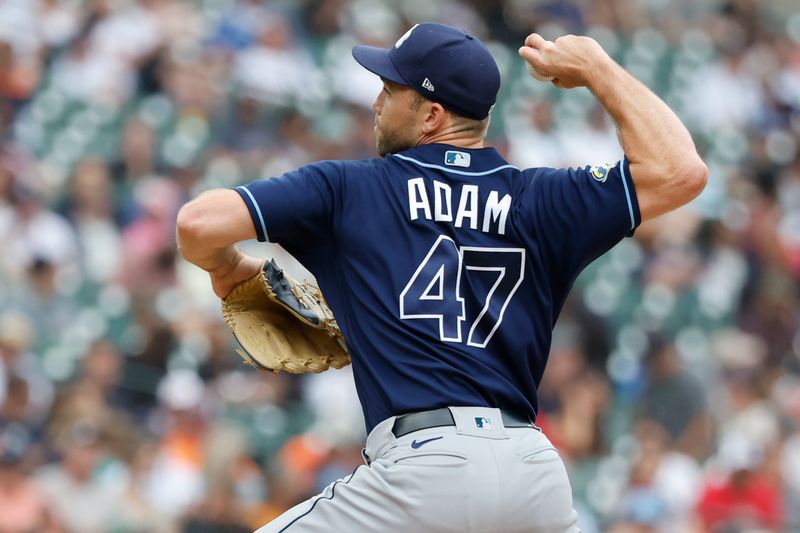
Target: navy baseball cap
<point>442,63</point>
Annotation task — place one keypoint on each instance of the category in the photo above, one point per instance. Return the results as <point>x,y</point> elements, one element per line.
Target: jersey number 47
<point>435,290</point>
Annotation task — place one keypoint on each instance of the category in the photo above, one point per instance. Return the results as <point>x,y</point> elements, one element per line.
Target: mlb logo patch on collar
<point>457,159</point>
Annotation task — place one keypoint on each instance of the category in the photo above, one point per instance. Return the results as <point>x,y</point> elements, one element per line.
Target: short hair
<point>416,100</point>
<point>478,126</point>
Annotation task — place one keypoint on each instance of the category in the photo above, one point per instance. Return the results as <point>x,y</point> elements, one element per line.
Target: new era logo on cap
<point>426,84</point>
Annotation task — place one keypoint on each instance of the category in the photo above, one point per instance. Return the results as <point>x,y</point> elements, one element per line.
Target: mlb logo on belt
<point>483,422</point>
<point>457,159</point>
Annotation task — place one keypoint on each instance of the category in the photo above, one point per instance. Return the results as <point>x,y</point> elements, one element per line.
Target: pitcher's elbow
<point>189,226</point>
<point>187,221</point>
<point>696,176</point>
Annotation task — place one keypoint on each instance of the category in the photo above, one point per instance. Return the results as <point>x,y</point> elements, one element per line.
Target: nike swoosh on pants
<point>415,444</point>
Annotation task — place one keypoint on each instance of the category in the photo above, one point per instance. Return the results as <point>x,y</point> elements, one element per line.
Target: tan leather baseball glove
<point>283,325</point>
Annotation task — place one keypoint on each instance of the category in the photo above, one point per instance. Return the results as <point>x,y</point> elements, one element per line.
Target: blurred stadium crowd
<point>673,390</point>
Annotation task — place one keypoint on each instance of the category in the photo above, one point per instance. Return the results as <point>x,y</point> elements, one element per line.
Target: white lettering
<point>468,207</point>
<point>496,211</point>
<point>418,199</point>
<point>442,189</point>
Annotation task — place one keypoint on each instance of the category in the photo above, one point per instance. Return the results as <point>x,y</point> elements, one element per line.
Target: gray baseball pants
<point>476,476</point>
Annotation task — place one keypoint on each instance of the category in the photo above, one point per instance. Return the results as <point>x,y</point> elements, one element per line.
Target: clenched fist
<point>572,60</point>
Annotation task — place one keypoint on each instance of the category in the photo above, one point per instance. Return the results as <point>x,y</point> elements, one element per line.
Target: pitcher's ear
<point>436,117</point>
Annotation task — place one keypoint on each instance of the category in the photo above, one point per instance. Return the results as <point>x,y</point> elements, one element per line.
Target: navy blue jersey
<point>445,267</point>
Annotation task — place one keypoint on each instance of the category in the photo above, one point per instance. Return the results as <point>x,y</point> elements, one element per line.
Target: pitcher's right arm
<point>664,164</point>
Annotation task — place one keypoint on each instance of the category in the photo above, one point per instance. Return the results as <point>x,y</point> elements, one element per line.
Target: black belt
<point>405,424</point>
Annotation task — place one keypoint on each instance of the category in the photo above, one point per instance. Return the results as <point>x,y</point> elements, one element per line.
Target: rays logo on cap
<point>457,159</point>
<point>405,36</point>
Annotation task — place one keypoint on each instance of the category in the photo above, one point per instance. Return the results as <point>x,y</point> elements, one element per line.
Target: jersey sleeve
<point>582,213</point>
<point>296,210</point>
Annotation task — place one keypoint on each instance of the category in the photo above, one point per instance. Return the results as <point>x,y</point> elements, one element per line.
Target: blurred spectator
<point>137,156</point>
<point>41,299</point>
<point>14,407</point>
<point>16,361</point>
<point>91,210</point>
<point>676,400</point>
<point>333,400</point>
<point>350,82</point>
<point>594,143</point>
<point>575,427</point>
<point>59,22</point>
<point>218,513</point>
<point>130,32</point>
<point>790,456</point>
<point>538,141</point>
<point>244,126</point>
<point>102,63</point>
<point>565,364</point>
<point>276,69</point>
<point>293,474</point>
<point>71,487</point>
<point>745,413</point>
<point>664,485</point>
<point>17,81</point>
<point>32,231</point>
<point>729,94</point>
<point>38,296</point>
<point>235,486</point>
<point>96,389</point>
<point>86,76</point>
<point>151,343</point>
<point>21,47</point>
<point>6,182</point>
<point>135,513</point>
<point>240,25</point>
<point>148,249</point>
<point>175,482</point>
<point>741,497</point>
<point>22,505</point>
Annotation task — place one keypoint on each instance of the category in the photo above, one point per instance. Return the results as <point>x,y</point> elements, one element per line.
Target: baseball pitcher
<point>446,268</point>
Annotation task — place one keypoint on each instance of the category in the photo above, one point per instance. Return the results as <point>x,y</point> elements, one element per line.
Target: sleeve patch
<point>600,172</point>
